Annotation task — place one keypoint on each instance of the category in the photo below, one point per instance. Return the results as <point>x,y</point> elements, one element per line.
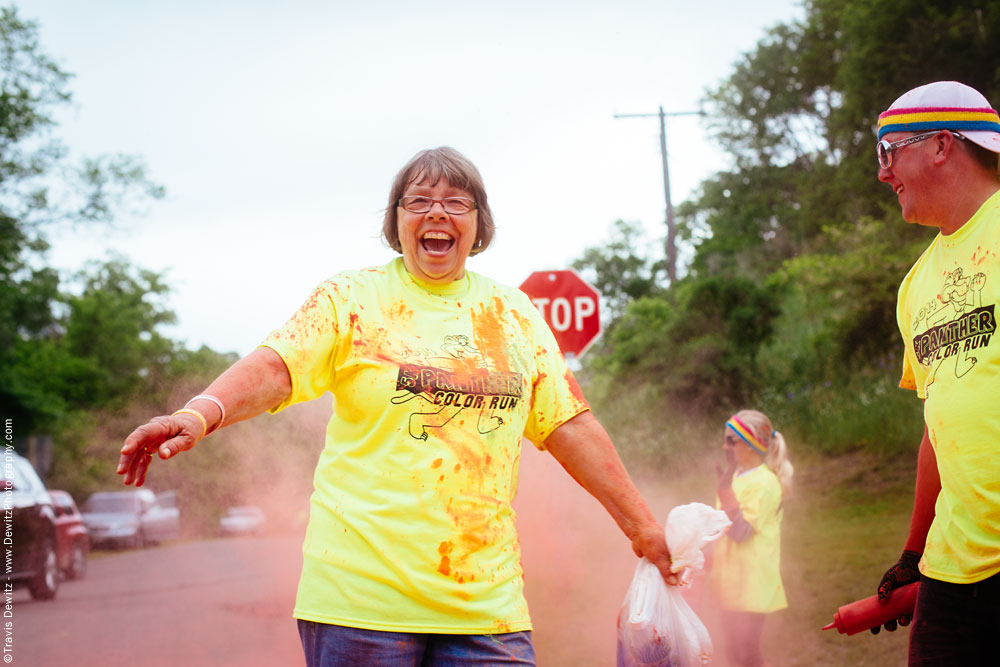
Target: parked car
<point>129,518</point>
<point>242,520</point>
<point>31,532</point>
<point>71,535</point>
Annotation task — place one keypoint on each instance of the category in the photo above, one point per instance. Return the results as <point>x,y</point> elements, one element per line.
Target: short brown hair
<point>984,156</point>
<point>430,166</point>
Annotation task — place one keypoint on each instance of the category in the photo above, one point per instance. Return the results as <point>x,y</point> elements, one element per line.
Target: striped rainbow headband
<point>746,435</point>
<point>916,119</point>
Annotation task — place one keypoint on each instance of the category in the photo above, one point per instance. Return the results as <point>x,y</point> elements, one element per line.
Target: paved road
<point>229,602</point>
<point>217,602</point>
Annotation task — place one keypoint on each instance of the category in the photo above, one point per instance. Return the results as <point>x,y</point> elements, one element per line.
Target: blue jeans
<point>956,624</point>
<point>339,646</point>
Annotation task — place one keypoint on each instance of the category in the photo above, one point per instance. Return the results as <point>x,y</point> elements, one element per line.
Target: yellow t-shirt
<point>946,315</point>
<point>411,527</point>
<point>746,576</point>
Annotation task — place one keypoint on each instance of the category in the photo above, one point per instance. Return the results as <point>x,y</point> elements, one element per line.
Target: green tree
<point>799,227</point>
<point>798,114</point>
<point>40,188</point>
<point>111,332</point>
<point>620,270</point>
<point>697,344</point>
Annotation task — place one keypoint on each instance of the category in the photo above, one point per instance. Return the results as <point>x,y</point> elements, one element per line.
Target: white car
<point>129,518</point>
<point>242,520</point>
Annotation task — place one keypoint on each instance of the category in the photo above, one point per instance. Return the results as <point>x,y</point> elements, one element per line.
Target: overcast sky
<point>276,129</point>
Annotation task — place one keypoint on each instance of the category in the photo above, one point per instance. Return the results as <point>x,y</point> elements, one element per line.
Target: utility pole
<point>671,244</point>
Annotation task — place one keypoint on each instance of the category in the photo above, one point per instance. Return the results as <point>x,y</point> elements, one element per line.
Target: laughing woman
<point>411,555</point>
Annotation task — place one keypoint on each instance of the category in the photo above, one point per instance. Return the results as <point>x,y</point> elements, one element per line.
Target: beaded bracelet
<point>201,418</point>
<point>222,408</point>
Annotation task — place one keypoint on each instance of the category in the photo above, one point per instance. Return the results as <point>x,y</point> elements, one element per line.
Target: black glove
<point>905,571</point>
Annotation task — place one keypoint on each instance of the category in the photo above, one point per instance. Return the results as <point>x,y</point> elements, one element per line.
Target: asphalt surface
<point>225,602</point>
<point>218,602</point>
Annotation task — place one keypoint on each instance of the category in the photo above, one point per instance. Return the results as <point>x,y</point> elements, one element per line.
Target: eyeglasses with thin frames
<point>451,205</point>
<point>885,149</point>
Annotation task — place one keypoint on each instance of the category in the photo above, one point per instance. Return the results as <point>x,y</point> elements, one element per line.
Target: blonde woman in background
<point>745,579</point>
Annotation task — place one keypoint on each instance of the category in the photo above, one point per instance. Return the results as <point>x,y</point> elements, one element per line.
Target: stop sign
<point>568,305</point>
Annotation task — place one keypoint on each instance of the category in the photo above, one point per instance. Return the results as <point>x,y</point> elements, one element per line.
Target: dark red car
<point>73,540</point>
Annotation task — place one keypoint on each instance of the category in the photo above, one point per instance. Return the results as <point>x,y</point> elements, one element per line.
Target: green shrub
<point>865,411</point>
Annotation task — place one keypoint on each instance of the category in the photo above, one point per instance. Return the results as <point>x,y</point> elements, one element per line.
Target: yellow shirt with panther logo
<point>411,527</point>
<point>947,316</point>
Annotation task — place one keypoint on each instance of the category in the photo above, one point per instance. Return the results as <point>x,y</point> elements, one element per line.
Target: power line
<point>671,243</point>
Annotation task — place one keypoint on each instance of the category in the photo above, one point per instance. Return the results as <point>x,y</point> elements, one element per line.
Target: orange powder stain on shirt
<point>375,345</point>
<point>488,331</point>
<point>473,510</point>
<point>980,255</point>
<point>502,627</point>
<point>574,387</point>
<point>477,464</point>
<point>309,317</point>
<point>444,567</point>
<point>398,311</point>
<point>523,322</point>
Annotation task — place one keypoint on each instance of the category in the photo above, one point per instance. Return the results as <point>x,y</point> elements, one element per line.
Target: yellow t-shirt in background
<point>746,576</point>
<point>946,313</point>
<point>411,527</point>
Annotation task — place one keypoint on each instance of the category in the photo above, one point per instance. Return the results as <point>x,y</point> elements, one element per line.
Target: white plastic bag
<point>656,626</point>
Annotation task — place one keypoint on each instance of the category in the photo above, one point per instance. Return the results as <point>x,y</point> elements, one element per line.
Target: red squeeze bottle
<point>869,613</point>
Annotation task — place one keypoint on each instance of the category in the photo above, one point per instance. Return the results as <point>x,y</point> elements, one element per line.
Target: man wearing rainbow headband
<point>937,148</point>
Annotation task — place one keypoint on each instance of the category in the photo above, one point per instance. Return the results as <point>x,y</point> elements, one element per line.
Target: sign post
<point>569,305</point>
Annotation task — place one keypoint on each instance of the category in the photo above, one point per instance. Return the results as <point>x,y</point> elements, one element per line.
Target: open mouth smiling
<point>437,243</point>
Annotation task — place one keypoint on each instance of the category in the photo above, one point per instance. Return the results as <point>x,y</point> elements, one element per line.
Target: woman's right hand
<point>166,435</point>
<point>725,488</point>
<point>725,475</point>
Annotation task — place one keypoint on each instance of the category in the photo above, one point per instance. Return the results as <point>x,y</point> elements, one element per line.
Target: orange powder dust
<point>436,463</point>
